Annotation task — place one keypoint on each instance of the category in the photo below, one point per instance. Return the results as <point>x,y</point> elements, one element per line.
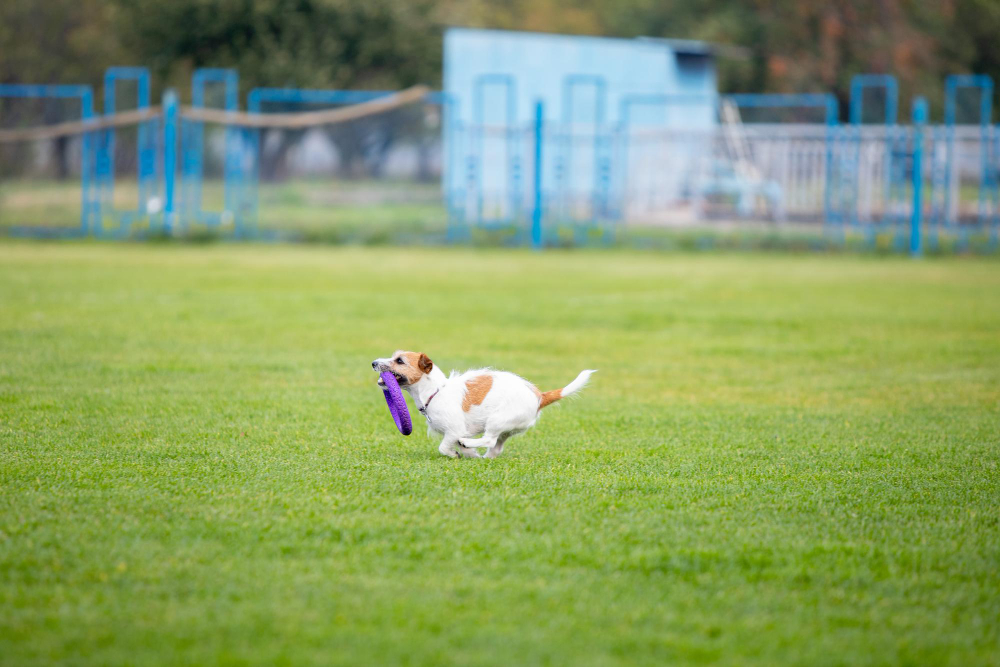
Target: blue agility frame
<point>862,82</point>
<point>602,141</point>
<point>895,185</point>
<point>987,179</point>
<point>259,96</point>
<point>825,101</point>
<point>90,207</point>
<point>625,106</point>
<point>919,115</point>
<point>193,154</point>
<point>145,149</point>
<point>475,170</point>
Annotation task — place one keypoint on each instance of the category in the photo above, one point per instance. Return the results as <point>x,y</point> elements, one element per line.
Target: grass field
<point>327,211</point>
<point>782,459</point>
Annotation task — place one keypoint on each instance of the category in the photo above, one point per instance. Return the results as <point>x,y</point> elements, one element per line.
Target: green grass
<point>386,212</point>
<point>781,460</point>
<point>311,210</point>
<point>39,203</point>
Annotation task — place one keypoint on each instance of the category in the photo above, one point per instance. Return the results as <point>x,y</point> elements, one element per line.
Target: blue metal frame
<point>192,154</point>
<point>475,174</point>
<point>171,119</point>
<point>625,106</point>
<point>255,101</point>
<point>259,96</point>
<point>825,101</point>
<point>895,179</point>
<point>862,82</point>
<point>602,141</point>
<point>90,206</point>
<point>145,148</point>
<point>988,181</point>
<point>450,126</point>
<point>538,206</point>
<point>920,116</point>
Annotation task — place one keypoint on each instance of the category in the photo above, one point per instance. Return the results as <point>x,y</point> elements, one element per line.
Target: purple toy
<point>397,404</point>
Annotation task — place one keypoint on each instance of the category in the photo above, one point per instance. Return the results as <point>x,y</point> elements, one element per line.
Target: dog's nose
<point>375,365</point>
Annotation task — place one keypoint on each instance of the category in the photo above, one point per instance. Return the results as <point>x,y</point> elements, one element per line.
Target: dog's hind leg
<point>451,447</point>
<point>497,449</point>
<point>488,440</point>
<point>467,453</point>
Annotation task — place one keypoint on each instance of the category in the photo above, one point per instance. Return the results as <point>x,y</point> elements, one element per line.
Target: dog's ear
<point>424,363</point>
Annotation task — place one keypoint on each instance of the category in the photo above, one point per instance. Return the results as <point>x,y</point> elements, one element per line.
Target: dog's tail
<point>576,385</point>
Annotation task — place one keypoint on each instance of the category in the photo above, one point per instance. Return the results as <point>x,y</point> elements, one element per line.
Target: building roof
<point>692,47</point>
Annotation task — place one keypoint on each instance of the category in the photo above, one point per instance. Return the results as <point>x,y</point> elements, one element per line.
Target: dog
<point>494,405</point>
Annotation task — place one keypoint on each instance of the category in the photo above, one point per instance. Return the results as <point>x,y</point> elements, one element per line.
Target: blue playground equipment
<point>496,81</point>
<point>498,152</point>
<point>896,151</point>
<point>483,149</point>
<point>920,116</point>
<point>145,151</point>
<point>171,121</point>
<point>600,185</point>
<point>657,108</point>
<point>193,155</point>
<point>537,210</point>
<point>565,178</point>
<point>833,201</point>
<point>987,186</point>
<point>90,207</point>
<point>258,97</point>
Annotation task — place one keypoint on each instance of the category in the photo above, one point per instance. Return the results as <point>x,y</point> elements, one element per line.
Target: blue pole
<point>170,115</point>
<point>919,123</point>
<point>831,118</point>
<point>536,213</point>
<point>90,213</point>
<point>145,147</point>
<point>985,119</point>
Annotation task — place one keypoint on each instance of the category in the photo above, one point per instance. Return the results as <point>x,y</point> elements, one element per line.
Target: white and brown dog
<point>493,404</point>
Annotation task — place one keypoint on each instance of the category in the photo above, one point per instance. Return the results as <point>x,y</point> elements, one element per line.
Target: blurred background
<point>800,124</point>
<point>789,455</point>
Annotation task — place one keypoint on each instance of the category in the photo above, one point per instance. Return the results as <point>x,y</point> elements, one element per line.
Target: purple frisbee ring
<point>397,404</point>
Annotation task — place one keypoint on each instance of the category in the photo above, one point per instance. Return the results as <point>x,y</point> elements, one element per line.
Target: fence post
<point>536,212</point>
<point>170,116</point>
<point>831,117</point>
<point>90,212</point>
<point>916,227</point>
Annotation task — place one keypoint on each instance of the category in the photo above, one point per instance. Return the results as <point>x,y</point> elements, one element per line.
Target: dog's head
<point>408,367</point>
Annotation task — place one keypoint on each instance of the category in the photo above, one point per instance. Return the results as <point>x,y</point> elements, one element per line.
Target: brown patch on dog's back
<point>476,390</point>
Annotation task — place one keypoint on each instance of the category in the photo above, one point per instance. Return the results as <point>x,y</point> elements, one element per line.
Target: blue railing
<point>519,147</point>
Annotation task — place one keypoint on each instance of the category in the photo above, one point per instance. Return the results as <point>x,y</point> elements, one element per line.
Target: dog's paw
<point>467,452</point>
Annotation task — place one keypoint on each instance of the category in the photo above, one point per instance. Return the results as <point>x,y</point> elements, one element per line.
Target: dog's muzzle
<point>380,367</point>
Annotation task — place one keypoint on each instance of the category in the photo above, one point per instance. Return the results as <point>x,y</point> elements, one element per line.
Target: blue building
<point>593,89</point>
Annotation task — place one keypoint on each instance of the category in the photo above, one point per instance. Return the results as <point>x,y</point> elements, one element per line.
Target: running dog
<point>494,405</point>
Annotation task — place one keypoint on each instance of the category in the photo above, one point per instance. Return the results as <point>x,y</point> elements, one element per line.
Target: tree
<point>56,41</point>
<point>295,43</point>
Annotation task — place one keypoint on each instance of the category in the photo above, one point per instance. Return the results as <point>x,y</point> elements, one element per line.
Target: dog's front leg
<point>450,447</point>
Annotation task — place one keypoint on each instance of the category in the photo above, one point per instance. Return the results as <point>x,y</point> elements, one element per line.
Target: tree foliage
<point>791,45</point>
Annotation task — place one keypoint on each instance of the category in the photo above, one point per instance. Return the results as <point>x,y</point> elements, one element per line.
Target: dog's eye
<point>399,360</point>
